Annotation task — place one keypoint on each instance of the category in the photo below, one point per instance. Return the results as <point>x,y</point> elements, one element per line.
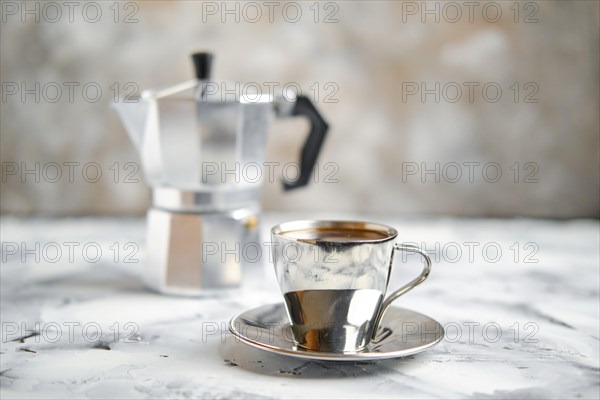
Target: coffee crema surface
<point>335,235</point>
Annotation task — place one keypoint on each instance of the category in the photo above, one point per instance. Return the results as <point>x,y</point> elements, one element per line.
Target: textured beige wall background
<point>371,53</point>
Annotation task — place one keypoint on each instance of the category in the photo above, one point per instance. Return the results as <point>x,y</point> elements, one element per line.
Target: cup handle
<point>410,285</point>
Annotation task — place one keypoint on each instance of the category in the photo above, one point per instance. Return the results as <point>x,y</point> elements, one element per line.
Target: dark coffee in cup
<point>335,234</point>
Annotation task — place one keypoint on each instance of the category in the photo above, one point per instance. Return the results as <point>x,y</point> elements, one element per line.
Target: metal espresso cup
<point>334,276</point>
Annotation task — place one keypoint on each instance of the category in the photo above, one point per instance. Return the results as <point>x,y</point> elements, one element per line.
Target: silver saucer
<point>404,332</point>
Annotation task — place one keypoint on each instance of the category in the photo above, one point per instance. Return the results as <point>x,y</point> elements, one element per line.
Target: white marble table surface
<point>521,325</point>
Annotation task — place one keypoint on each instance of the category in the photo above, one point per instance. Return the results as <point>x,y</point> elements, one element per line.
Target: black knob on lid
<point>202,65</point>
